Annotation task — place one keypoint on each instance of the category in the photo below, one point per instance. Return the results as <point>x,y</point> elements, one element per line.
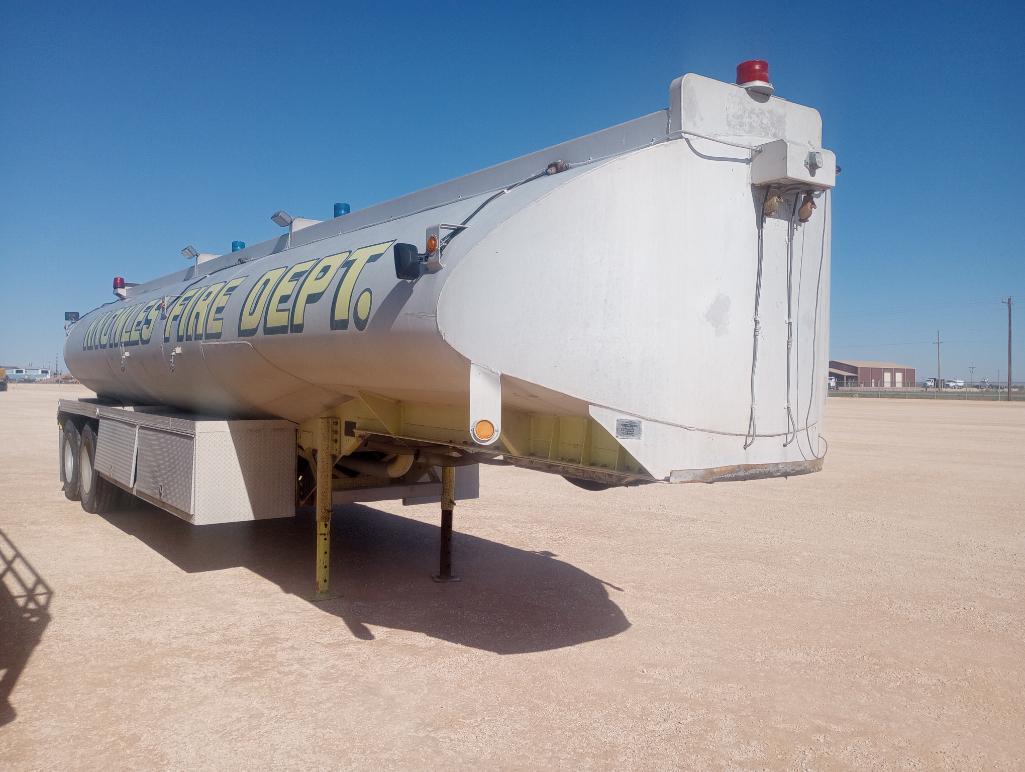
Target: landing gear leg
<point>448,503</point>
<point>325,463</point>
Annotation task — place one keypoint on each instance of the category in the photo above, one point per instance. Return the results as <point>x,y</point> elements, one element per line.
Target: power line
<point>1010,303</point>
<point>883,310</point>
<point>911,343</point>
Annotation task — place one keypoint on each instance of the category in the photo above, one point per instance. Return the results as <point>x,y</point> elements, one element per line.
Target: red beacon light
<point>119,287</point>
<point>753,75</point>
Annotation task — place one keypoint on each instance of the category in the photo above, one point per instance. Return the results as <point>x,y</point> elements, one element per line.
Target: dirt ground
<point>869,615</point>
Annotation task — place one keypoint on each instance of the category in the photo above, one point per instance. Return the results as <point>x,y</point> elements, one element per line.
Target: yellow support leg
<point>325,463</point>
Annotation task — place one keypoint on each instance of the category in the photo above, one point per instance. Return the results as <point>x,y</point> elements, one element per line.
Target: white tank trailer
<point>648,303</point>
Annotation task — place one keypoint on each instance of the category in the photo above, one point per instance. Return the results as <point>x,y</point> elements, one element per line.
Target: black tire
<point>70,442</point>
<point>98,496</point>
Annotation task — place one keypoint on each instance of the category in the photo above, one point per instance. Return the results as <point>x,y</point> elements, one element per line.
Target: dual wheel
<point>78,471</point>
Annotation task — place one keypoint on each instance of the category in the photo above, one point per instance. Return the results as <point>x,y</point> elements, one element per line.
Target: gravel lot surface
<point>869,615</point>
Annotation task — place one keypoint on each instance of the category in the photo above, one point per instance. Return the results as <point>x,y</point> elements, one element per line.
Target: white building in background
<point>27,374</point>
<point>859,372</point>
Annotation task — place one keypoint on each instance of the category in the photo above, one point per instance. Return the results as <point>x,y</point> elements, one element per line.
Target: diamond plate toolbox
<point>216,471</point>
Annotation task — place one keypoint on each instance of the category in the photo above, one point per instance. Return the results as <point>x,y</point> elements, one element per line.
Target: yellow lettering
<point>280,302</point>
<point>146,333</point>
<point>187,313</point>
<point>196,320</point>
<point>214,321</point>
<point>105,329</point>
<point>123,320</point>
<point>90,331</point>
<point>115,328</point>
<point>256,302</point>
<point>126,325</point>
<point>174,313</point>
<point>135,325</point>
<point>314,286</point>
<point>351,270</point>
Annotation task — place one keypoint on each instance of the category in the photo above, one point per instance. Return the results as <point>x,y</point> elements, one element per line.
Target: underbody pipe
<point>394,468</point>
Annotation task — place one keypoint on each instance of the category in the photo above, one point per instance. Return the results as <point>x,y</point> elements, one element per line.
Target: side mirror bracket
<point>411,264</point>
<point>408,263</point>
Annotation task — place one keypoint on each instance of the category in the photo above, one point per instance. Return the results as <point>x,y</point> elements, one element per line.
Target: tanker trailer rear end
<point>646,303</point>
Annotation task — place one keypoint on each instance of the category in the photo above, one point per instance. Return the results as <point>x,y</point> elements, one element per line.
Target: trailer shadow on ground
<point>24,614</point>
<point>510,601</point>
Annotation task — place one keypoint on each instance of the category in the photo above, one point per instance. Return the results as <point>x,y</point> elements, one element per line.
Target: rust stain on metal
<point>736,472</point>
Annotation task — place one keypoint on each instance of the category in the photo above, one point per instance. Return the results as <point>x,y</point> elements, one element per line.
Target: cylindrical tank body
<point>623,288</point>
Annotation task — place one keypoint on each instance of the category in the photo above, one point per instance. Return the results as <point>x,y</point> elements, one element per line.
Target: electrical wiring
<point>752,427</point>
<point>815,328</point>
<point>449,236</point>
<point>793,429</point>
<point>791,232</point>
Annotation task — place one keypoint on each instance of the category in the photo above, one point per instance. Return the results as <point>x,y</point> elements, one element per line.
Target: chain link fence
<point>966,393</point>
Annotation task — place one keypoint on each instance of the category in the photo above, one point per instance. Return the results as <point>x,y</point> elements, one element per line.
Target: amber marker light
<point>483,430</point>
<point>432,244</point>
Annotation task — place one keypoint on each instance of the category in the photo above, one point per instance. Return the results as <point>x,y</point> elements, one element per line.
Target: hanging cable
<point>447,238</point>
<point>791,232</point>
<point>798,306</point>
<point>752,427</point>
<point>815,329</point>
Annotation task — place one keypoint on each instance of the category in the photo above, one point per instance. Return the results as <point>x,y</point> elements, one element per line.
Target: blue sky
<point>129,130</point>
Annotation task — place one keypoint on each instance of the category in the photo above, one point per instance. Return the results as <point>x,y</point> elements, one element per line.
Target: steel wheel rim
<point>69,461</point>
<point>85,470</point>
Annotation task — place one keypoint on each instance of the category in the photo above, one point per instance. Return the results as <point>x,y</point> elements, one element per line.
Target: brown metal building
<point>858,372</point>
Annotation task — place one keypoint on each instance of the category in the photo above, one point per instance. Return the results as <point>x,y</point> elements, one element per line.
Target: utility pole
<point>1009,302</point>
<point>939,378</point>
<point>971,375</point>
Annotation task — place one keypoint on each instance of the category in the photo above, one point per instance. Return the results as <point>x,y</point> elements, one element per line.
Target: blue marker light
<point>238,246</point>
<point>341,209</point>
